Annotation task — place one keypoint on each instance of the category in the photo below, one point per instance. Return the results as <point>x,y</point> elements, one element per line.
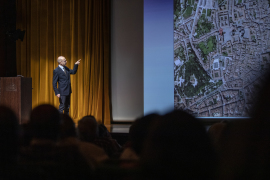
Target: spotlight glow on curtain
<point>76,29</point>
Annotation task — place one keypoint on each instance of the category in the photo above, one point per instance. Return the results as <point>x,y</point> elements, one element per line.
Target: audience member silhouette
<point>92,153</point>
<point>9,143</point>
<point>44,158</point>
<point>67,128</point>
<point>137,134</point>
<point>89,132</point>
<point>244,147</point>
<point>178,147</point>
<point>105,136</point>
<point>103,131</point>
<point>215,132</point>
<point>45,123</point>
<point>88,129</point>
<point>244,150</point>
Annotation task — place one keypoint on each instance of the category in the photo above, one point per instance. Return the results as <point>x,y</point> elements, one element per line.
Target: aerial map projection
<point>221,54</point>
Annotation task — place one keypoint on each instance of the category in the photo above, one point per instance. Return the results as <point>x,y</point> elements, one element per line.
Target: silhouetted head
<point>244,149</point>
<point>45,122</point>
<point>9,143</point>
<point>139,131</point>
<point>9,136</point>
<point>68,128</point>
<point>261,100</point>
<point>103,131</point>
<point>178,147</point>
<point>88,128</point>
<point>215,131</point>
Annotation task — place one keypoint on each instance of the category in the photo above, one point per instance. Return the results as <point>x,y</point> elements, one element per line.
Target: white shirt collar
<point>62,67</point>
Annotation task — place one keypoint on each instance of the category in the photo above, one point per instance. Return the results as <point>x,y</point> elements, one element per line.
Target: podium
<point>16,93</point>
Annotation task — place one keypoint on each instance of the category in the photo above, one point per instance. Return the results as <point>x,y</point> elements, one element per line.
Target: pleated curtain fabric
<point>76,29</point>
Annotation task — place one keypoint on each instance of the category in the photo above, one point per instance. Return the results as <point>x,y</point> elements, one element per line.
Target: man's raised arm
<point>75,68</point>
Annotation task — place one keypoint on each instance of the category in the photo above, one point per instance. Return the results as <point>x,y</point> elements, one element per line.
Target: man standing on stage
<point>61,74</point>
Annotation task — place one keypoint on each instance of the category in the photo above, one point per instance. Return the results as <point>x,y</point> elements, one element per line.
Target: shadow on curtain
<point>76,29</point>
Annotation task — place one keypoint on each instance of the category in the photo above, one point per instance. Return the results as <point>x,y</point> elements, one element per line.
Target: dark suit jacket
<point>64,86</point>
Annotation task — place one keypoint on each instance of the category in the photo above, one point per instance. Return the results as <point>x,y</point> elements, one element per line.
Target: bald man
<point>61,75</point>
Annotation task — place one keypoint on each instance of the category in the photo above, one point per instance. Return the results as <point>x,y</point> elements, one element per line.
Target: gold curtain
<point>76,29</point>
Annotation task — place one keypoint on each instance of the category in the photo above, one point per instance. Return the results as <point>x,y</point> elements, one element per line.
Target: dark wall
<point>2,40</point>
<point>7,40</point>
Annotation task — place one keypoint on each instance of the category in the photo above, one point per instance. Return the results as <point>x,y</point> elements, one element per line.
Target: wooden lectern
<point>16,93</point>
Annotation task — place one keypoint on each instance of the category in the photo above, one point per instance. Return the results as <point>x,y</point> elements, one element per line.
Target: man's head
<point>68,128</point>
<point>9,136</point>
<point>139,131</point>
<point>178,146</point>
<point>88,128</point>
<point>62,60</point>
<point>45,122</point>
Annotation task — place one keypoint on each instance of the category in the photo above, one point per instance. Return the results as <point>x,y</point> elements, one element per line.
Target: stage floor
<point>124,128</point>
<point>118,128</point>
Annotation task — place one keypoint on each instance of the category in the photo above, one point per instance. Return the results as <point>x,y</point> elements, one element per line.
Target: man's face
<point>63,61</point>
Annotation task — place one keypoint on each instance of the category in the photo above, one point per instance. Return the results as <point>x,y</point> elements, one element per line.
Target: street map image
<point>221,55</point>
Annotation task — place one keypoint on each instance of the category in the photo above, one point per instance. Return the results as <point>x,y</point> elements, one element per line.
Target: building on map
<point>217,112</point>
<point>223,6</point>
<point>223,19</point>
<point>192,79</point>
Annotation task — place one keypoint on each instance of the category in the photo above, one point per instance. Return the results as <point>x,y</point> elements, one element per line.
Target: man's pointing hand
<point>78,62</point>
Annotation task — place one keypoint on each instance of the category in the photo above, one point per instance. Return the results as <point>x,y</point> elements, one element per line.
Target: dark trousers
<point>64,104</point>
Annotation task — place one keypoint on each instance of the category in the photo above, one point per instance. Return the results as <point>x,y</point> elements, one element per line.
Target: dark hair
<point>139,131</point>
<point>178,146</point>
<point>45,122</point>
<point>103,131</point>
<point>68,128</point>
<point>88,128</point>
<point>261,101</point>
<point>9,136</point>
